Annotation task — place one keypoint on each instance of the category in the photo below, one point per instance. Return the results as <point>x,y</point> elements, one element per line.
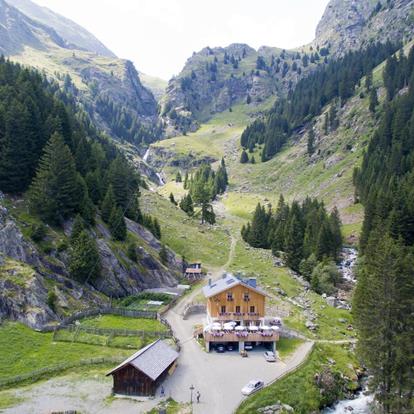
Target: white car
<point>252,386</point>
<point>270,356</point>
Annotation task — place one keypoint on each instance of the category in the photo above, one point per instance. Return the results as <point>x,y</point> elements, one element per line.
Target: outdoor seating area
<point>232,331</point>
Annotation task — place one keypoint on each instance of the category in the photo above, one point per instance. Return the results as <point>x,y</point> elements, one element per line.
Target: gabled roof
<point>152,360</point>
<point>227,282</point>
<point>192,270</point>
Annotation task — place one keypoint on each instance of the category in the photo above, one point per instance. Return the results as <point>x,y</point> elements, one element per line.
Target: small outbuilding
<point>143,372</point>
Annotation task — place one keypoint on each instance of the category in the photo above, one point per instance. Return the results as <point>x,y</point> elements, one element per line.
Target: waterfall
<point>146,155</point>
<point>359,405</point>
<point>161,180</point>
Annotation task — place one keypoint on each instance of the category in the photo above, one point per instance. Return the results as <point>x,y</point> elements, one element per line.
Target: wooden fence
<point>39,373</point>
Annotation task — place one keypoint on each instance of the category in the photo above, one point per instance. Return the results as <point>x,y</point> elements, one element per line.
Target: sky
<point>159,35</point>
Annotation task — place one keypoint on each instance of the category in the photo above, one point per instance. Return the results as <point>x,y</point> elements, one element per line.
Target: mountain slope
<point>74,34</point>
<point>108,88</point>
<point>215,79</point>
<point>350,24</point>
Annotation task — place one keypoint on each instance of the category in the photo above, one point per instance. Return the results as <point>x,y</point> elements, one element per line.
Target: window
<point>223,309</point>
<point>246,297</point>
<point>237,309</point>
<point>251,309</point>
<point>229,296</point>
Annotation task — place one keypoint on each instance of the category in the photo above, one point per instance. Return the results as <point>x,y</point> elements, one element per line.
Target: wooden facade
<point>129,380</point>
<point>239,302</point>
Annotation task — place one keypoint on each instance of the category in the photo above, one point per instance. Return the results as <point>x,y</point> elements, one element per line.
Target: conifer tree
<point>117,224</point>
<point>108,204</point>
<point>373,100</point>
<point>163,255</point>
<point>186,181</point>
<point>311,142</point>
<point>178,178</point>
<point>244,158</point>
<point>77,228</point>
<point>294,242</point>
<point>54,193</point>
<point>84,261</point>
<point>172,199</point>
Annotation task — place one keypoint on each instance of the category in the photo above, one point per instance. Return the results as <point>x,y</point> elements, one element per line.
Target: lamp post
<point>191,395</point>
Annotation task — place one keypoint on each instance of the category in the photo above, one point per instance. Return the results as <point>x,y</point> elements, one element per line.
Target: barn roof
<point>152,360</point>
<point>229,281</point>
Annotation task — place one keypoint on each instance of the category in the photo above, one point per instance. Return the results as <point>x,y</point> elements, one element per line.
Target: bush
<point>51,300</point>
<point>38,232</point>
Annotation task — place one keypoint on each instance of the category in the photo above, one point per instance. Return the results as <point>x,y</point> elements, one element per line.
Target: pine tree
<point>373,100</point>
<point>54,193</point>
<point>178,178</point>
<point>294,243</point>
<point>207,213</point>
<point>77,228</point>
<point>108,204</point>
<point>186,181</point>
<point>84,261</point>
<point>117,224</point>
<point>163,255</point>
<point>244,158</point>
<point>311,142</point>
<point>368,81</point>
<point>172,199</point>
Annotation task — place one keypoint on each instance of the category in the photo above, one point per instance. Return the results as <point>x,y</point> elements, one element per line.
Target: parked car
<point>252,386</point>
<point>220,348</point>
<point>248,346</point>
<point>270,356</point>
<point>230,347</point>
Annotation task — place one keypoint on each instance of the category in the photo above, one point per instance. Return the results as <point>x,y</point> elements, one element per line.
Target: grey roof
<point>226,282</point>
<point>152,360</point>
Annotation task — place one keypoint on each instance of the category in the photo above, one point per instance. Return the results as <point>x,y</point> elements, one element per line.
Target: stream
<point>349,257</point>
<point>359,405</point>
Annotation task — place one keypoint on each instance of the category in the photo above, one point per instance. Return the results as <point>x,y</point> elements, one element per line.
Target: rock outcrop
<point>352,24</point>
<point>28,277</point>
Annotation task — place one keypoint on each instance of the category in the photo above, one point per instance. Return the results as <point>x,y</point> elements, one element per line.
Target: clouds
<point>159,35</point>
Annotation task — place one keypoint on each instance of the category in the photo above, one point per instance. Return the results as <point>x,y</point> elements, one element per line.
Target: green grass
<point>185,235</point>
<point>286,346</point>
<point>23,350</point>
<point>122,322</point>
<point>172,407</point>
<point>9,399</point>
<point>309,398</point>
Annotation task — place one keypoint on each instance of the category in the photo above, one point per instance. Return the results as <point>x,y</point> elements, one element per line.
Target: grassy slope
<point>23,350</point>
<point>309,398</point>
<point>121,322</point>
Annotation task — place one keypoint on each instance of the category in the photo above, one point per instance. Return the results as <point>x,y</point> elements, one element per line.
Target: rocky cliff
<point>215,79</point>
<point>351,24</point>
<point>28,275</point>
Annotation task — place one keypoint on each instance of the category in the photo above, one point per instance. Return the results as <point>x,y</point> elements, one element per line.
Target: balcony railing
<point>221,336</point>
<point>238,316</point>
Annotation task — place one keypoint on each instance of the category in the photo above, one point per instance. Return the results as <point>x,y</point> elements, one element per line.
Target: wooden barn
<point>143,372</point>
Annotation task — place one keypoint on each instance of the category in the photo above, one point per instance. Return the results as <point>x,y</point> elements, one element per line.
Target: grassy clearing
<point>122,322</point>
<point>29,350</point>
<point>185,235</point>
<point>309,399</point>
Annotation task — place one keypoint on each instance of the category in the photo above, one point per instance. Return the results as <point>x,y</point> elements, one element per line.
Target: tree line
<point>307,235</point>
<point>50,152</point>
<point>334,81</point>
<point>384,297</point>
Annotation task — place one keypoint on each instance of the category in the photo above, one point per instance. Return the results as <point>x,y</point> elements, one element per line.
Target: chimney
<point>252,282</point>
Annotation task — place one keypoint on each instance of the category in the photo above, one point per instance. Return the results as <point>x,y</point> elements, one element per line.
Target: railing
<point>238,316</point>
<point>241,336</point>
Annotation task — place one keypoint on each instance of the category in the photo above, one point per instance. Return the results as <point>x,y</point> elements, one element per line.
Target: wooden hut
<point>143,372</point>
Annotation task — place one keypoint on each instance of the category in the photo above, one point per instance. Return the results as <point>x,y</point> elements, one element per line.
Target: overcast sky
<point>159,35</point>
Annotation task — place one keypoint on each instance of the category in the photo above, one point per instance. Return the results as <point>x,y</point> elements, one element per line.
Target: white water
<point>146,155</point>
<point>161,180</point>
<point>359,405</point>
<point>349,257</point>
